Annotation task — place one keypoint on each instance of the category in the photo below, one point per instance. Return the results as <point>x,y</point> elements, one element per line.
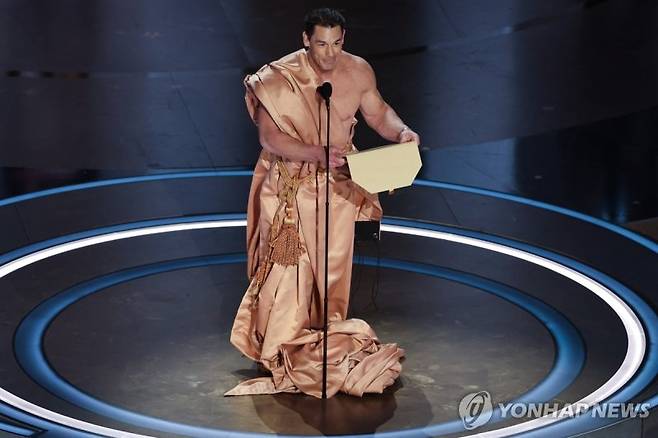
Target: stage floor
<point>129,327</point>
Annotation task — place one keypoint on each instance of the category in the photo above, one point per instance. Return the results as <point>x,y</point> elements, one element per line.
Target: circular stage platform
<point>116,315</point>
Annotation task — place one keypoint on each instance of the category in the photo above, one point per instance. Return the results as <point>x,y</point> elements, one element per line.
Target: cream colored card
<point>386,167</point>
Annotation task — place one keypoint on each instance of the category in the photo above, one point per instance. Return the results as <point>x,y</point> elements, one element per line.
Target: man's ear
<point>306,40</point>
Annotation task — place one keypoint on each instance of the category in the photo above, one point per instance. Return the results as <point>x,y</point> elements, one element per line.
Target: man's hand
<point>408,135</point>
<point>336,157</point>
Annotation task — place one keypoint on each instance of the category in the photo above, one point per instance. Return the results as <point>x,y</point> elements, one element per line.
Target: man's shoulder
<point>270,73</point>
<point>359,69</point>
<point>290,58</point>
<point>356,62</point>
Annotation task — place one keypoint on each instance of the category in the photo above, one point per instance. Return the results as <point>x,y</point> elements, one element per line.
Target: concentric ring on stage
<point>570,355</point>
<point>632,324</point>
<point>643,377</point>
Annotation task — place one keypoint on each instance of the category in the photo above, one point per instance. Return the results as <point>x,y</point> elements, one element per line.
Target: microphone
<point>325,91</point>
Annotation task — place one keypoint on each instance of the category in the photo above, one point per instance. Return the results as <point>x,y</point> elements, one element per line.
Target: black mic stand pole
<point>326,256</point>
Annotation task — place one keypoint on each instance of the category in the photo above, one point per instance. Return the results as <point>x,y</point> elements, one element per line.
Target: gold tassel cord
<point>285,245</point>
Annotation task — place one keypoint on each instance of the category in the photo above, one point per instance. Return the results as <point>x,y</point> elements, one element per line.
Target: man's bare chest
<point>346,98</point>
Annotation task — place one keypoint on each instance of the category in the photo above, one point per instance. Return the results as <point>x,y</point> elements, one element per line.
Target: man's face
<point>325,45</point>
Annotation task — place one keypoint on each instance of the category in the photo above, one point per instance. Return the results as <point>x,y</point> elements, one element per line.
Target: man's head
<point>323,36</point>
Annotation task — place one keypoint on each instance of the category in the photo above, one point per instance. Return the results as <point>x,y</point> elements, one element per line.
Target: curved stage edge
<point>640,320</point>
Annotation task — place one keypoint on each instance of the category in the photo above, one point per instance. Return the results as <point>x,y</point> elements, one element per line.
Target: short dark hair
<point>326,17</point>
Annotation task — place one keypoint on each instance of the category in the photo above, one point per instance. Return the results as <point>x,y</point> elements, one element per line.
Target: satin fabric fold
<point>279,321</point>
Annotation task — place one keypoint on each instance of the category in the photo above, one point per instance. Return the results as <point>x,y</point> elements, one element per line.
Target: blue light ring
<point>635,237</point>
<point>16,430</point>
<point>28,341</point>
<point>54,429</point>
<point>628,296</point>
<point>644,375</point>
<point>400,222</point>
<point>419,182</point>
<point>560,328</point>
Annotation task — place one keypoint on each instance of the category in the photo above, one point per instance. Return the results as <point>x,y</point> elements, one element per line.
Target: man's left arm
<point>379,115</point>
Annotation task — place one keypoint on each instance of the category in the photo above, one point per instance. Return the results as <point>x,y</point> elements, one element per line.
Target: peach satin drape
<point>279,321</point>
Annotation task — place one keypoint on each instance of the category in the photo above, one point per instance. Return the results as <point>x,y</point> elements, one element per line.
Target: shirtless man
<point>354,88</point>
<point>281,312</point>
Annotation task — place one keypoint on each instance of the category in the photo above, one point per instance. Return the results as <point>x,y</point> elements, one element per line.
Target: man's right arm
<point>279,143</point>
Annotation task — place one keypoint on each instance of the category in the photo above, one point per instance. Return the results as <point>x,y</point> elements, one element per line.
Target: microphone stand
<point>327,100</point>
